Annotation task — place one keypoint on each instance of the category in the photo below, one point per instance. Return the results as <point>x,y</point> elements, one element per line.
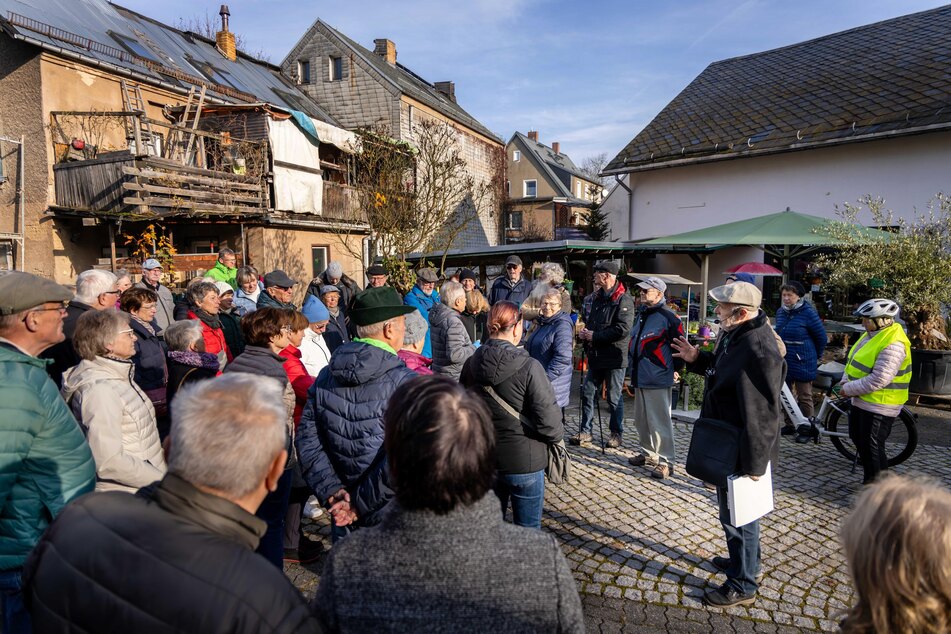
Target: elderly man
<point>44,459</point>
<point>511,287</point>
<point>652,377</point>
<point>377,276</point>
<point>443,556</point>
<point>225,269</point>
<point>423,297</point>
<point>744,377</point>
<point>450,341</point>
<point>152,281</point>
<point>340,437</point>
<point>278,291</point>
<point>608,315</point>
<point>95,290</point>
<point>179,554</point>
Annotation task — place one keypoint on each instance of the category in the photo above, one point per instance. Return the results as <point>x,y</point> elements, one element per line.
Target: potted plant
<point>913,268</point>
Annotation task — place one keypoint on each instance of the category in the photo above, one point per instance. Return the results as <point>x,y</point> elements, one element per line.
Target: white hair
<point>180,335</point>
<point>552,273</point>
<point>450,293</point>
<point>93,283</point>
<point>226,432</point>
<point>371,330</point>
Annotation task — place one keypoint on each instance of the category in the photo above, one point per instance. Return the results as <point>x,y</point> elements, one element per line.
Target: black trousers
<point>869,432</point>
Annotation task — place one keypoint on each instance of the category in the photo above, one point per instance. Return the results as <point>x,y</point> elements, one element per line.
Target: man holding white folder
<point>744,379</point>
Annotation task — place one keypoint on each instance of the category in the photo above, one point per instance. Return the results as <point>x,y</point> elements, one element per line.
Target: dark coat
<point>337,332</point>
<point>341,430</point>
<point>182,308</point>
<point>167,559</point>
<point>475,325</point>
<point>744,379</point>
<point>266,301</point>
<point>63,354</point>
<point>450,342</point>
<point>347,286</point>
<point>231,326</point>
<point>610,317</point>
<point>652,362</point>
<point>550,344</point>
<point>504,290</point>
<point>149,358</point>
<point>805,339</point>
<point>521,446</point>
<point>189,367</point>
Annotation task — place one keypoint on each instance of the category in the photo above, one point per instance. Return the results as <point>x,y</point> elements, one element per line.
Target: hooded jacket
<point>551,345</point>
<point>223,273</point>
<point>521,446</point>
<point>805,339</point>
<point>423,303</point>
<point>450,341</point>
<point>119,422</point>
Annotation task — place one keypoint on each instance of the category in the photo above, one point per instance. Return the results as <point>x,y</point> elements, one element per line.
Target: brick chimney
<point>447,88</point>
<point>555,147</point>
<point>224,39</point>
<point>385,49</point>
<point>533,135</point>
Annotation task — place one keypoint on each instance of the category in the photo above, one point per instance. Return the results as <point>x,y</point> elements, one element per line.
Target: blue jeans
<point>527,492</point>
<point>16,620</point>
<point>273,510</point>
<point>589,392</point>
<point>743,545</point>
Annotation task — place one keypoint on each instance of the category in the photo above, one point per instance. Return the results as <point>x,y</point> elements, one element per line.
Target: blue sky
<point>588,74</point>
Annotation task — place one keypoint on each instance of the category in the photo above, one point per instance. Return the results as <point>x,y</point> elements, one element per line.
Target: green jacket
<point>224,273</point>
<point>44,459</point>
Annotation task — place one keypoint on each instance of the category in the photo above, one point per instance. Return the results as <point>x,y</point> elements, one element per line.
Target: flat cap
<point>329,288</point>
<point>740,293</point>
<point>277,277</point>
<point>610,266</point>
<point>427,275</point>
<point>377,269</point>
<point>20,291</point>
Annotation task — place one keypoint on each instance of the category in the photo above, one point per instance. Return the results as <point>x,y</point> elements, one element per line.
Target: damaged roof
<point>884,79</point>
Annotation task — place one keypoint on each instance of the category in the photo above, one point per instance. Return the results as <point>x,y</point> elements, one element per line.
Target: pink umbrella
<point>754,268</point>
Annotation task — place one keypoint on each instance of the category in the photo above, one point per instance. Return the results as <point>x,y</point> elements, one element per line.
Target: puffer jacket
<point>149,359</point>
<point>423,303</point>
<point>652,361</point>
<point>451,344</point>
<point>337,332</point>
<point>231,327</point>
<point>341,430</point>
<point>521,446</point>
<point>46,461</point>
<point>610,317</point>
<point>119,422</point>
<point>263,362</point>
<point>551,344</point>
<point>215,342</point>
<point>805,339</point>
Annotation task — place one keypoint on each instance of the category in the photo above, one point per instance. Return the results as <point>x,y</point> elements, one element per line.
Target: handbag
<point>558,467</point>
<point>714,450</point>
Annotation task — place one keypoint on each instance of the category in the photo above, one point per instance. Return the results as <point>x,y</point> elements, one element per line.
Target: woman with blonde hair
<point>898,546</point>
<point>474,316</point>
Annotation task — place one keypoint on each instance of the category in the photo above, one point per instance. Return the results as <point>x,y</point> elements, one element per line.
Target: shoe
<point>726,596</point>
<point>788,430</point>
<point>614,442</point>
<point>306,552</point>
<point>312,508</point>
<point>640,460</point>
<point>662,471</point>
<point>710,487</point>
<point>580,439</point>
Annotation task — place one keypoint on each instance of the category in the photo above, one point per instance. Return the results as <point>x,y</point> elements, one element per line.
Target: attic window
<point>134,46</point>
<point>336,68</point>
<point>516,156</point>
<point>303,72</point>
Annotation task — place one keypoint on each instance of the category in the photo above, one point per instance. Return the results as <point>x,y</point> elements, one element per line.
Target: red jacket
<point>300,380</point>
<point>214,338</point>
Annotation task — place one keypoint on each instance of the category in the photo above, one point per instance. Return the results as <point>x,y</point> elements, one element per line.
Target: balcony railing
<point>342,202</point>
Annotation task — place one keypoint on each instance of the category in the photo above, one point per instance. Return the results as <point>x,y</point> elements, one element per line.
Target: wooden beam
<point>156,162</point>
<point>191,180</point>
<point>155,201</point>
<point>198,194</point>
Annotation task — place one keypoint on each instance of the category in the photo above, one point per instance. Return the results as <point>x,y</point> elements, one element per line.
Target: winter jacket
<point>531,306</point>
<point>451,345</point>
<point>168,559</point>
<point>44,456</point>
<point>347,286</point>
<point>222,273</point>
<point>266,301</point>
<point>337,332</point>
<point>244,303</point>
<point>215,342</point>
<point>119,422</point>
<point>652,362</point>
<point>610,317</point>
<point>63,354</point>
<point>521,446</point>
<point>744,379</point>
<point>300,379</point>
<point>341,429</point>
<point>423,303</point>
<point>504,290</point>
<point>231,327</point>
<point>164,308</point>
<point>551,344</point>
<point>416,362</point>
<point>805,339</point>
<point>149,358</point>
<point>315,354</point>
<point>188,367</point>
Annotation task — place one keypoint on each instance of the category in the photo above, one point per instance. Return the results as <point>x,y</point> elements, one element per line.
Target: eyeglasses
<point>511,266</point>
<point>111,293</point>
<point>148,307</point>
<point>127,331</point>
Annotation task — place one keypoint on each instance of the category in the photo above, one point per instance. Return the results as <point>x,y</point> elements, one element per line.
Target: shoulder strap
<point>182,382</point>
<point>498,399</point>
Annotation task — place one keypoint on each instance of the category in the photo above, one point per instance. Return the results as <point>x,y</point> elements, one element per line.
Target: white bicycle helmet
<point>877,308</point>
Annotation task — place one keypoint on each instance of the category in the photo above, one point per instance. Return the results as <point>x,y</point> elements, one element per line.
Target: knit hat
<point>335,269</point>
<point>223,287</point>
<point>467,274</point>
<point>798,288</point>
<point>416,328</point>
<point>314,310</point>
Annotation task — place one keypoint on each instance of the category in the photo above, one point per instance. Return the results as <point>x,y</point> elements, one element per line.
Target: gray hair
<point>416,328</point>
<point>246,273</point>
<point>450,293</point>
<point>225,251</point>
<point>226,432</point>
<point>93,283</point>
<point>196,292</point>
<point>180,335</point>
<point>122,273</point>
<point>552,273</point>
<point>371,330</point>
<point>96,330</point>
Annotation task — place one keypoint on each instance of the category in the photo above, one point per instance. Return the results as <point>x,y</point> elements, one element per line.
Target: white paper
<point>750,499</point>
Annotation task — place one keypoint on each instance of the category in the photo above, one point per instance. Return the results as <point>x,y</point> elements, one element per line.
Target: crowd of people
<point>209,425</point>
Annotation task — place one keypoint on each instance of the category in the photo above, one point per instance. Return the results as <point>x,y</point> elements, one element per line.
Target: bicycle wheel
<point>899,445</point>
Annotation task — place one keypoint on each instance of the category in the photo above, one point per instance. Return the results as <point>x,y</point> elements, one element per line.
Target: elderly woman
<point>249,288</point>
<point>551,344</point>
<point>266,333</point>
<point>315,355</point>
<point>526,417</point>
<point>230,319</point>
<point>115,414</point>
<point>475,314</point>
<point>188,361</point>
<point>337,332</point>
<point>414,339</point>
<point>550,276</point>
<point>123,283</point>
<point>151,372</point>
<point>802,332</point>
<point>206,304</point>
<point>450,341</point>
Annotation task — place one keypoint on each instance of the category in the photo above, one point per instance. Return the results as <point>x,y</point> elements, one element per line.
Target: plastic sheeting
<point>338,137</point>
<point>298,187</point>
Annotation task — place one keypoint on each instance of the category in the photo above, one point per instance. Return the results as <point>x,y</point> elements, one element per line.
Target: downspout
<point>630,206</point>
<point>365,248</point>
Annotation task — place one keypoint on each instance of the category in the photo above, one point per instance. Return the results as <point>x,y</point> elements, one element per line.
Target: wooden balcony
<point>342,202</point>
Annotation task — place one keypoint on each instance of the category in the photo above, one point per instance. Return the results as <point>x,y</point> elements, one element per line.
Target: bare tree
<point>207,26</point>
<point>593,166</point>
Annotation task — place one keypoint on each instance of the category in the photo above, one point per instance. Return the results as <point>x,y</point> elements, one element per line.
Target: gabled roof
<point>885,79</point>
<point>108,35</point>
<point>407,82</point>
<point>550,165</point>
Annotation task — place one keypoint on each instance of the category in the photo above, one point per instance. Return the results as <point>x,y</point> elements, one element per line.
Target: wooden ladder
<point>183,135</point>
<point>138,129</point>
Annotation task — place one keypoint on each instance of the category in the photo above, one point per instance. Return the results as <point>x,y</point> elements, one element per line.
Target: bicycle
<point>833,421</point>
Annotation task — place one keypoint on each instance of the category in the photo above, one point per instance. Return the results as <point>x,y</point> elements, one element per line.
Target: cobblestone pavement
<point>640,548</point>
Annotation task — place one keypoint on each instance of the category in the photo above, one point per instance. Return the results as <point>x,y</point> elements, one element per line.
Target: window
<point>580,189</point>
<point>303,72</point>
<point>515,220</point>
<point>6,255</point>
<point>516,156</point>
<point>336,68</point>
<point>134,46</point>
<point>529,189</point>
<point>320,256</point>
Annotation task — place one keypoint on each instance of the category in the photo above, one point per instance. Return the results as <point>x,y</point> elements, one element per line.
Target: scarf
<point>213,321</point>
<point>795,306</point>
<point>194,359</point>
<point>146,325</point>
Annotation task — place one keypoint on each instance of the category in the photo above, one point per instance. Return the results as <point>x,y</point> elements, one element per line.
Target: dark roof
<point>411,84</point>
<point>556,167</point>
<point>883,79</point>
<point>106,34</point>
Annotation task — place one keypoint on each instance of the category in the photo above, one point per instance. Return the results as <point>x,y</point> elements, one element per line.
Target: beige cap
<point>740,293</point>
<point>19,291</point>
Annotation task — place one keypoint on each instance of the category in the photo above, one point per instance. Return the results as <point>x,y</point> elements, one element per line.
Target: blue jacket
<point>149,358</point>
<point>341,429</point>
<point>805,338</point>
<point>423,303</point>
<point>652,362</point>
<point>504,290</point>
<point>550,344</point>
<point>337,332</point>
